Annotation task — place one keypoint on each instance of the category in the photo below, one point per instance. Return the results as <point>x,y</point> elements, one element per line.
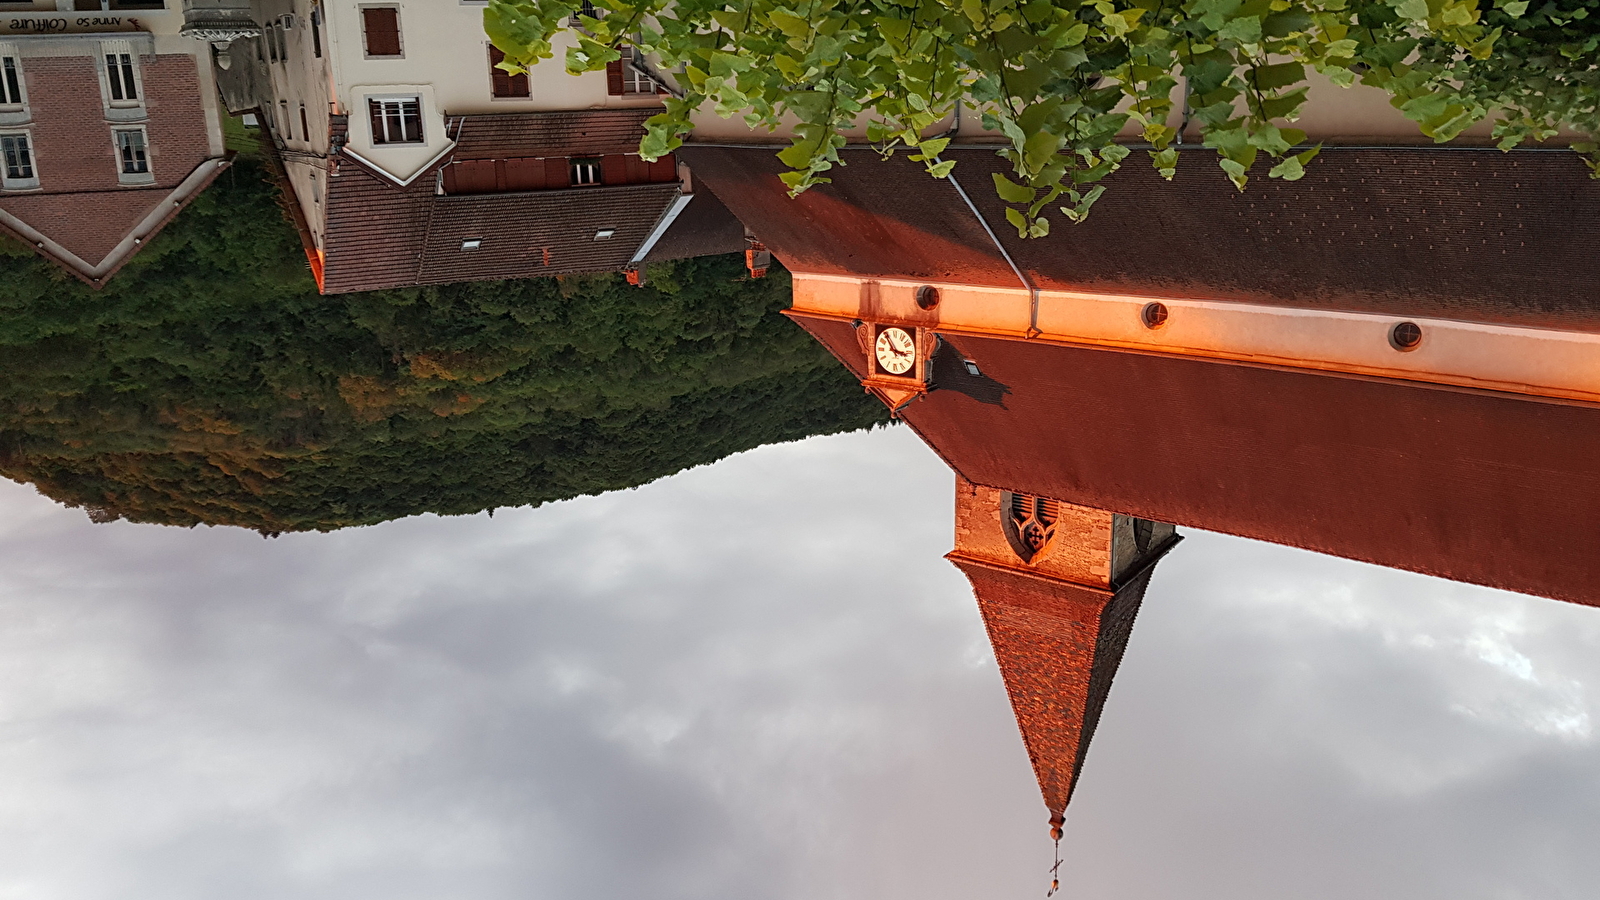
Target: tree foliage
<point>210,383</point>
<point>1061,78</point>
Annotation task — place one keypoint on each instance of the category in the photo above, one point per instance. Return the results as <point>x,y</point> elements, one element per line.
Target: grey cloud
<point>754,680</point>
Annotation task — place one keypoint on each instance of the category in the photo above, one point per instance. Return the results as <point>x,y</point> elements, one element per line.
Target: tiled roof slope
<point>704,228</point>
<point>519,230</point>
<point>580,133</point>
<point>374,230</point>
<point>1464,234</point>
<point>89,224</point>
<point>1474,487</point>
<point>876,218</point>
<point>1058,646</point>
<point>380,235</point>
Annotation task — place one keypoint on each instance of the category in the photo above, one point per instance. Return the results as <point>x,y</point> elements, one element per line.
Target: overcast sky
<point>756,680</point>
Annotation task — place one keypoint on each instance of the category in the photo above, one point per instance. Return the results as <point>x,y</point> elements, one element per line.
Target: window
<point>587,9</point>
<point>316,31</point>
<point>622,77</point>
<point>119,78</point>
<point>131,153</point>
<point>10,81</point>
<point>285,130</point>
<point>504,83</point>
<point>19,171</point>
<point>380,27</point>
<point>396,121</point>
<point>305,129</point>
<point>585,171</point>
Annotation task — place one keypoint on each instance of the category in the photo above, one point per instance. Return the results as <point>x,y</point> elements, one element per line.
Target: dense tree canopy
<point>210,383</point>
<point>1061,78</point>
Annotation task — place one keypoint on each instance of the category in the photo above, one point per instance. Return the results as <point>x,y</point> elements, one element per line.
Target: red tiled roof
<point>704,228</point>
<point>382,235</point>
<point>1448,233</point>
<point>581,133</point>
<point>521,231</point>
<point>1476,487</point>
<point>1058,646</point>
<point>89,224</point>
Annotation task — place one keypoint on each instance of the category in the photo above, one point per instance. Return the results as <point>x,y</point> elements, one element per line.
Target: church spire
<point>1058,586</point>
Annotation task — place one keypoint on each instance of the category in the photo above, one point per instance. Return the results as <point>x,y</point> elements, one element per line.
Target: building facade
<point>413,159</point>
<point>109,124</point>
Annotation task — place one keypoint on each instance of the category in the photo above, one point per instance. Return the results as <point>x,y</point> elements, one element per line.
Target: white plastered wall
<point>298,79</point>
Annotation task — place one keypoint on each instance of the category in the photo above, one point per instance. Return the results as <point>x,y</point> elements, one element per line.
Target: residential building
<point>1395,360</point>
<point>109,125</point>
<point>414,160</point>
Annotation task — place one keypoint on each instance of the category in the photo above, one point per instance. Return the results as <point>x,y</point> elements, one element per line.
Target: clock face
<point>896,351</point>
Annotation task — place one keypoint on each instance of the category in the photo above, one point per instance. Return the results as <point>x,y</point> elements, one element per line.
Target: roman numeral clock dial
<point>896,351</point>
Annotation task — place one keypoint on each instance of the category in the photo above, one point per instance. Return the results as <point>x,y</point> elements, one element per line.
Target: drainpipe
<point>1033,292</point>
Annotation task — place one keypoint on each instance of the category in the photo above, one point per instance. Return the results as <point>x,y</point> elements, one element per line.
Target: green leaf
<point>1165,162</point>
<point>1236,172</point>
<point>1270,78</point>
<point>1246,29</point>
<point>794,26</point>
<point>1282,24</point>
<point>1290,169</point>
<point>797,155</point>
<point>1516,8</point>
<point>1415,10</point>
<point>1016,218</point>
<point>1010,191</point>
<point>1038,149</point>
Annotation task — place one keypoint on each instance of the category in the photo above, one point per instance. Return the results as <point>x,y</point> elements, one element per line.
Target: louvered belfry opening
<point>1030,522</point>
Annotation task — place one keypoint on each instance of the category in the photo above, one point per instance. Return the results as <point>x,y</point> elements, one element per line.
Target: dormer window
<point>396,120</point>
<point>585,172</point>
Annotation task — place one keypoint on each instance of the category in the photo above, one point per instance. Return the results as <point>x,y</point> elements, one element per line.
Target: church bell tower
<point>1058,586</point>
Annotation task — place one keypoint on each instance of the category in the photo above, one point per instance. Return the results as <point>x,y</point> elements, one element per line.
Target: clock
<point>896,351</point>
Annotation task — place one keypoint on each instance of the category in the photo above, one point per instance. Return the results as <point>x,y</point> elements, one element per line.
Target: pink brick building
<point>105,134</point>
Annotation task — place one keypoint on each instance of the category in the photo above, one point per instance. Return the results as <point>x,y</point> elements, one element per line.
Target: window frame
<point>582,168</point>
<point>12,77</point>
<point>130,67</point>
<point>29,183</point>
<point>399,31</point>
<point>123,175</point>
<point>375,102</point>
<point>494,73</point>
<point>633,78</point>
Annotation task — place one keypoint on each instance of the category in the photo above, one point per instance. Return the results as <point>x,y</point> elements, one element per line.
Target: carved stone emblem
<point>1029,522</point>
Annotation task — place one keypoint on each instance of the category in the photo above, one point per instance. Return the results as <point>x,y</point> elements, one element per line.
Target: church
<point>1395,360</point>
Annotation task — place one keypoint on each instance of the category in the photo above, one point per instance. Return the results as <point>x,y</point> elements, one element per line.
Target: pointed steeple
<point>1058,587</point>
